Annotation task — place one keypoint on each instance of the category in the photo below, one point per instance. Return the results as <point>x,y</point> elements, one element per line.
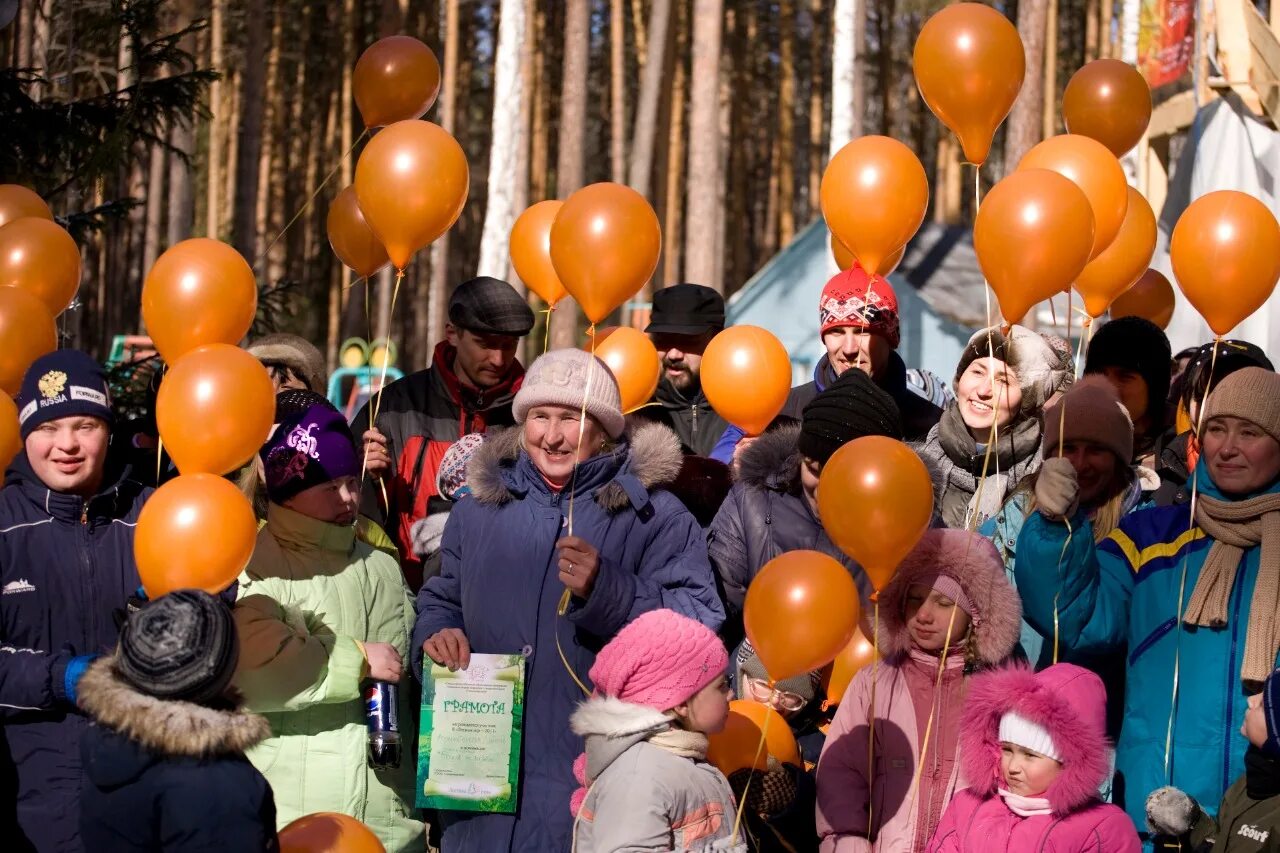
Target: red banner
<point>1166,40</point>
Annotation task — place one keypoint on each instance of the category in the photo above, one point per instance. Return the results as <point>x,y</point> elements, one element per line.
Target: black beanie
<point>182,646</point>
<point>1137,344</point>
<point>851,407</point>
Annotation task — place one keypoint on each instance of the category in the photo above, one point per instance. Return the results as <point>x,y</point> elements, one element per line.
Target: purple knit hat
<point>307,449</point>
<point>661,659</point>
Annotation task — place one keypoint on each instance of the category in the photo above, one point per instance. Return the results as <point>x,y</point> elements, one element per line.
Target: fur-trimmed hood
<point>973,562</point>
<point>1066,700</point>
<point>166,728</point>
<point>611,726</point>
<point>648,457</point>
<point>772,461</point>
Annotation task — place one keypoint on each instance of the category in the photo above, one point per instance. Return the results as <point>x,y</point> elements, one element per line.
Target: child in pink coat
<point>953,579</point>
<point>1034,752</point>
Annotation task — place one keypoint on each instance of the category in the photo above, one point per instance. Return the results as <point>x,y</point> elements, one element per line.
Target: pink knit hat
<point>661,659</point>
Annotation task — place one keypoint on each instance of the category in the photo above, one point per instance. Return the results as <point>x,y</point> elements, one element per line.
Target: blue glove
<point>75,670</point>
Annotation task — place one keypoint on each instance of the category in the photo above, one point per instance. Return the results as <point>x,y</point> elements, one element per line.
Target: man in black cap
<point>685,318</point>
<point>473,377</point>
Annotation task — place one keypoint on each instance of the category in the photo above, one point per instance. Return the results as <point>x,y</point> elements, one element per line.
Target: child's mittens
<point>1057,489</point>
<point>1171,811</point>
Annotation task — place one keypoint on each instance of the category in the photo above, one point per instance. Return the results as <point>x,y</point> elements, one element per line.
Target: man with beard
<point>685,318</point>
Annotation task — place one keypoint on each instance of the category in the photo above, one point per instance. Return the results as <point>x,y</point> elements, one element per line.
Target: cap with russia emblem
<point>62,384</point>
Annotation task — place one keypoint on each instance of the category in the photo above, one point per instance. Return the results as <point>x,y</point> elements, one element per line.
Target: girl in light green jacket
<point>320,613</point>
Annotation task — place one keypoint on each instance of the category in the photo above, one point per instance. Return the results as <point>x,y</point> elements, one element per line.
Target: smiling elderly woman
<point>508,555</point>
<point>1130,588</point>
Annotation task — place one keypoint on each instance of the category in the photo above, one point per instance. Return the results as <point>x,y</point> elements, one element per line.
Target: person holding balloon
<point>319,612</point>
<point>989,438</point>
<point>858,323</point>
<point>67,569</point>
<point>1193,598</point>
<point>568,535</point>
<point>469,387</point>
<point>947,611</point>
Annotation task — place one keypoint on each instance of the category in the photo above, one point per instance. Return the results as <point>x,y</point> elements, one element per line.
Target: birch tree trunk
<point>1026,121</point>
<point>570,158</point>
<point>705,213</point>
<point>438,294</point>
<point>504,149</point>
<point>844,65</point>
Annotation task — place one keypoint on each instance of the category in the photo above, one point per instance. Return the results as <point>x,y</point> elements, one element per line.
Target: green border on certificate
<point>469,741</point>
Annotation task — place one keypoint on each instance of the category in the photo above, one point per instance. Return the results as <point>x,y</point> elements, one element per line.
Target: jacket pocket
<point>1151,639</point>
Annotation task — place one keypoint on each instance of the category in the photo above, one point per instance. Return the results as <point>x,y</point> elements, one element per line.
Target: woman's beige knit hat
<point>1252,394</point>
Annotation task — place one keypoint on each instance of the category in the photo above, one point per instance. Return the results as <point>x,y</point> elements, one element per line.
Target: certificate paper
<point>469,744</point>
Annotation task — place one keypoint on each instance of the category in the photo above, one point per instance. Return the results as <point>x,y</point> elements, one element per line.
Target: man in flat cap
<point>473,377</point>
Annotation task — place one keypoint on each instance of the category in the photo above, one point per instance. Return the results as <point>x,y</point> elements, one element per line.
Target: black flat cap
<point>686,309</point>
<point>490,306</point>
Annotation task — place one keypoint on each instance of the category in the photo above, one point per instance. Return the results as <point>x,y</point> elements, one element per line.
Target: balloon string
<point>159,437</point>
<point>386,360</point>
<point>305,205</point>
<point>546,328</point>
<point>871,716</point>
<point>1086,335</point>
<point>1182,583</point>
<point>764,733</point>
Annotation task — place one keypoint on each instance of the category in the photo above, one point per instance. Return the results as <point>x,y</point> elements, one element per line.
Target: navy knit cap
<point>1271,709</point>
<point>61,384</point>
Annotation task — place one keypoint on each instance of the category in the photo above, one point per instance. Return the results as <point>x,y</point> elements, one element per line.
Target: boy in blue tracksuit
<point>67,516</point>
<point>1130,591</point>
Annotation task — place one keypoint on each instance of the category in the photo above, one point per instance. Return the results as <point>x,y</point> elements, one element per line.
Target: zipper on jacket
<point>695,421</point>
<point>1151,639</point>
<point>1233,671</point>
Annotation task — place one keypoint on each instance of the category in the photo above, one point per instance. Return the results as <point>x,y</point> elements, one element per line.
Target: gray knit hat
<point>182,646</point>
<point>804,685</point>
<point>559,378</point>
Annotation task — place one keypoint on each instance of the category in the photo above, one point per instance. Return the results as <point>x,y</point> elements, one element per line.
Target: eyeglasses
<point>758,690</point>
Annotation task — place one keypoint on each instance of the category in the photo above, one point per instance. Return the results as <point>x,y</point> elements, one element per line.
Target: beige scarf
<point>1235,526</point>
<point>683,743</point>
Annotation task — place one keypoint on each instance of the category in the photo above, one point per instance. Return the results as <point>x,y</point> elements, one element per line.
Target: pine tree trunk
<point>844,71</point>
<point>571,155</point>
<point>1049,105</point>
<point>249,134</point>
<point>506,140</point>
<point>814,148</point>
<point>538,133</point>
<point>651,89</point>
<point>181,213</point>
<point>617,93</point>
<point>672,220</point>
<point>269,204</point>
<point>157,168</point>
<point>438,295</point>
<point>1026,120</point>
<point>705,215</point>
<point>41,41</point>
<point>641,34</point>
<point>217,125</point>
<point>786,123</point>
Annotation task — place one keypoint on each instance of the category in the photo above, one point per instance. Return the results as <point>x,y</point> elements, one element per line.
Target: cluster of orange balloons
<point>214,410</point>
<point>746,375</point>
<point>39,276</point>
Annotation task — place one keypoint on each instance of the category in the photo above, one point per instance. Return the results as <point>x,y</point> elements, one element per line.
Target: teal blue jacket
<point>1122,597</point>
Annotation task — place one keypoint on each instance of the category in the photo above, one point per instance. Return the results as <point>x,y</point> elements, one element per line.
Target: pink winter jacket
<point>1070,703</point>
<point>976,825</point>
<point>842,774</point>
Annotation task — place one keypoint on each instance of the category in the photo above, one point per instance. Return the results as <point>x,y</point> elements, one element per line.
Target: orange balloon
<point>351,237</point>
<point>195,532</point>
<point>1108,100</point>
<point>1096,171</point>
<point>10,432</point>
<point>801,610</point>
<point>859,653</point>
<point>411,181</point>
<point>1226,256</point>
<point>16,201</point>
<point>40,257</point>
<point>874,195</point>
<point>531,251</point>
<point>214,409</point>
<point>1032,236</point>
<point>969,64</point>
<point>875,499</point>
<point>845,260</point>
<point>1151,298</point>
<point>632,360</point>
<point>396,78</point>
<point>200,291</point>
<point>1124,261</point>
<point>605,243</point>
<point>746,375</point>
<point>737,746</point>
<point>27,332</point>
<point>328,832</point>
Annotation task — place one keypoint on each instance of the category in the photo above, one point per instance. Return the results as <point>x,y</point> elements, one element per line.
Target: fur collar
<point>651,455</point>
<point>165,727</point>
<point>610,717</point>
<point>773,460</point>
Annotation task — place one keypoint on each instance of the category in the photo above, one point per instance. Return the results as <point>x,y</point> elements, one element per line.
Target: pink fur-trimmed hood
<point>1068,701</point>
<point>973,562</point>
